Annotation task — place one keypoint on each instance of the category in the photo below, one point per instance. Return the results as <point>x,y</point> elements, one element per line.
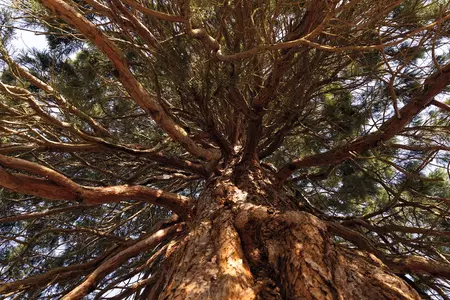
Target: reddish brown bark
<point>122,257</point>
<point>247,240</point>
<point>441,105</point>
<point>239,247</point>
<point>137,92</point>
<point>55,186</point>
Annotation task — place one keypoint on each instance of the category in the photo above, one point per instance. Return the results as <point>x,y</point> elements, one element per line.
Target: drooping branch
<point>64,104</point>
<point>120,258</point>
<point>407,264</point>
<point>53,185</point>
<point>433,85</point>
<point>138,93</point>
<point>56,274</point>
<point>40,214</point>
<point>105,147</point>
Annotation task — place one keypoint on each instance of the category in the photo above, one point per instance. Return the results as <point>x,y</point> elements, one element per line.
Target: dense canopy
<point>109,135</point>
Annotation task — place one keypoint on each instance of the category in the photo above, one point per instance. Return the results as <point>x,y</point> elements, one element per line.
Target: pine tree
<point>226,150</point>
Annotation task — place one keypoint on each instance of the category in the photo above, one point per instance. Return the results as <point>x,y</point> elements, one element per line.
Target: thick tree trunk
<point>248,242</point>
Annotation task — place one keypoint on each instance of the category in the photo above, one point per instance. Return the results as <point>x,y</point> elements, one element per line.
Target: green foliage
<point>341,113</point>
<point>335,86</point>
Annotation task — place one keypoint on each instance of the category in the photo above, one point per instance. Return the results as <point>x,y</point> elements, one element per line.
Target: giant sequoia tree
<point>237,149</point>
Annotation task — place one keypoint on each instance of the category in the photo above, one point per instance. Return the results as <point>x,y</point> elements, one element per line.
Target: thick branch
<point>432,87</point>
<point>102,147</point>
<point>133,87</point>
<point>58,187</point>
<point>419,265</point>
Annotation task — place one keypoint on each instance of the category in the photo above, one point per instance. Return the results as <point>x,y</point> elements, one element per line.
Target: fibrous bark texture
<point>242,247</point>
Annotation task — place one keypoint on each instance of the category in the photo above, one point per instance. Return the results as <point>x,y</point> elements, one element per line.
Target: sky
<point>24,39</point>
<point>27,40</point>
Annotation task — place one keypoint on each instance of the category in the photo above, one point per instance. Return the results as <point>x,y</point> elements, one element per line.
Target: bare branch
<point>419,265</point>
<point>441,105</point>
<point>154,13</point>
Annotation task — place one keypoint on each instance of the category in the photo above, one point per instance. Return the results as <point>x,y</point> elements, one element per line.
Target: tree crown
<point>135,105</point>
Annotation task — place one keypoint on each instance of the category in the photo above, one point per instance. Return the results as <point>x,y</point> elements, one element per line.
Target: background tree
<point>226,150</point>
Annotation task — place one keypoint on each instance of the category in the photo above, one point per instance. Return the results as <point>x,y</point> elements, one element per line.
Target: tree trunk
<point>249,242</point>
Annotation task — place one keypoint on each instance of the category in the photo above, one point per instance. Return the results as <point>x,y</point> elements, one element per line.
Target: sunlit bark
<point>240,248</point>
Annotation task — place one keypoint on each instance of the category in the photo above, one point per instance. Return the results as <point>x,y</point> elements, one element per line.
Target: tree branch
<point>137,92</point>
<point>410,264</point>
<point>39,214</point>
<point>56,274</point>
<point>306,40</point>
<point>120,258</point>
<point>433,85</point>
<point>102,147</point>
<point>21,72</point>
<point>419,265</point>
<point>441,105</point>
<point>58,187</point>
<point>154,13</point>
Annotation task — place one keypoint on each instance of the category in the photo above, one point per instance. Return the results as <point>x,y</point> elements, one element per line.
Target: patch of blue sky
<point>24,38</point>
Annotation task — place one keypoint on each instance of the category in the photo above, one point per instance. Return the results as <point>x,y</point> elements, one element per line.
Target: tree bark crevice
<point>241,248</point>
<point>309,265</point>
